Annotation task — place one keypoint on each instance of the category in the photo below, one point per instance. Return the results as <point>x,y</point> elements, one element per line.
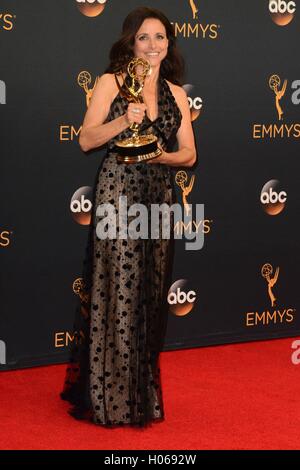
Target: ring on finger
<point>136,110</point>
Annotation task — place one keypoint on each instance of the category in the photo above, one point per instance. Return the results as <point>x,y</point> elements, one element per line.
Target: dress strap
<point>117,81</point>
<point>121,89</point>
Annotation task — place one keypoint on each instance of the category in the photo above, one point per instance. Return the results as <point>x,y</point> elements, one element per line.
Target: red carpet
<point>242,396</point>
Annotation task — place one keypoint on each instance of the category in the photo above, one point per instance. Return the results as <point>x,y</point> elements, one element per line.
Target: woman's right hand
<point>135,113</point>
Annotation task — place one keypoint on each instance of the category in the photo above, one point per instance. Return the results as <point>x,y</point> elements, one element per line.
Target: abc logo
<point>272,199</point>
<point>194,100</point>
<point>282,12</point>
<point>81,205</point>
<point>282,6</point>
<point>181,298</point>
<point>91,8</point>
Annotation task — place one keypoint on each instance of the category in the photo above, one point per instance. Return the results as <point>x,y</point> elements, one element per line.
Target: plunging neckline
<point>159,92</point>
<point>157,102</point>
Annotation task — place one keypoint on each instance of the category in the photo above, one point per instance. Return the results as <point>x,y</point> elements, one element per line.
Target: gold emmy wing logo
<point>181,179</point>
<point>194,28</point>
<point>194,9</point>
<point>274,84</point>
<point>84,79</point>
<point>266,272</point>
<point>79,289</point>
<point>282,128</point>
<point>91,8</point>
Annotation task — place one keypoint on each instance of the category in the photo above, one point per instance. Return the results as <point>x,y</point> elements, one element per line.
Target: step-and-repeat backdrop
<point>243,86</point>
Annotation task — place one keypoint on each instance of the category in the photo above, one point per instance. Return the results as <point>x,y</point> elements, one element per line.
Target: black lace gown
<point>113,377</point>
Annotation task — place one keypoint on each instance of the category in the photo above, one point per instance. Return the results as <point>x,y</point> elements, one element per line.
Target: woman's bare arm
<point>186,153</point>
<point>94,133</point>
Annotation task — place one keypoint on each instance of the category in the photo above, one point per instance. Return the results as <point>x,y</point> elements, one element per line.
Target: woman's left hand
<point>160,159</point>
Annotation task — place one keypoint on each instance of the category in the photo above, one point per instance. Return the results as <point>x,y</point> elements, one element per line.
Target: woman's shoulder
<point>107,78</point>
<point>110,77</point>
<point>110,81</point>
<point>108,86</point>
<point>178,91</point>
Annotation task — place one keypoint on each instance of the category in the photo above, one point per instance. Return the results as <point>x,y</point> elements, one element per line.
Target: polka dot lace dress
<point>113,377</point>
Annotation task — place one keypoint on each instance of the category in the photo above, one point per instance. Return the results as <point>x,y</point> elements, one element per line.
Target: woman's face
<point>151,42</point>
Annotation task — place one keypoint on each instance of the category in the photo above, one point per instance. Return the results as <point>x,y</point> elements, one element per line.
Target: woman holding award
<point>138,110</point>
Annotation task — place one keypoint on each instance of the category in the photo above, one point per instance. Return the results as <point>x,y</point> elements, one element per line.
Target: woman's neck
<point>152,79</point>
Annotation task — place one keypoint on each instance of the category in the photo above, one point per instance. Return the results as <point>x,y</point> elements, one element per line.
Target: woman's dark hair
<point>172,67</point>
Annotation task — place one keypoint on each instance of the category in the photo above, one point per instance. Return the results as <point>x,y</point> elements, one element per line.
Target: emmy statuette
<point>136,148</point>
